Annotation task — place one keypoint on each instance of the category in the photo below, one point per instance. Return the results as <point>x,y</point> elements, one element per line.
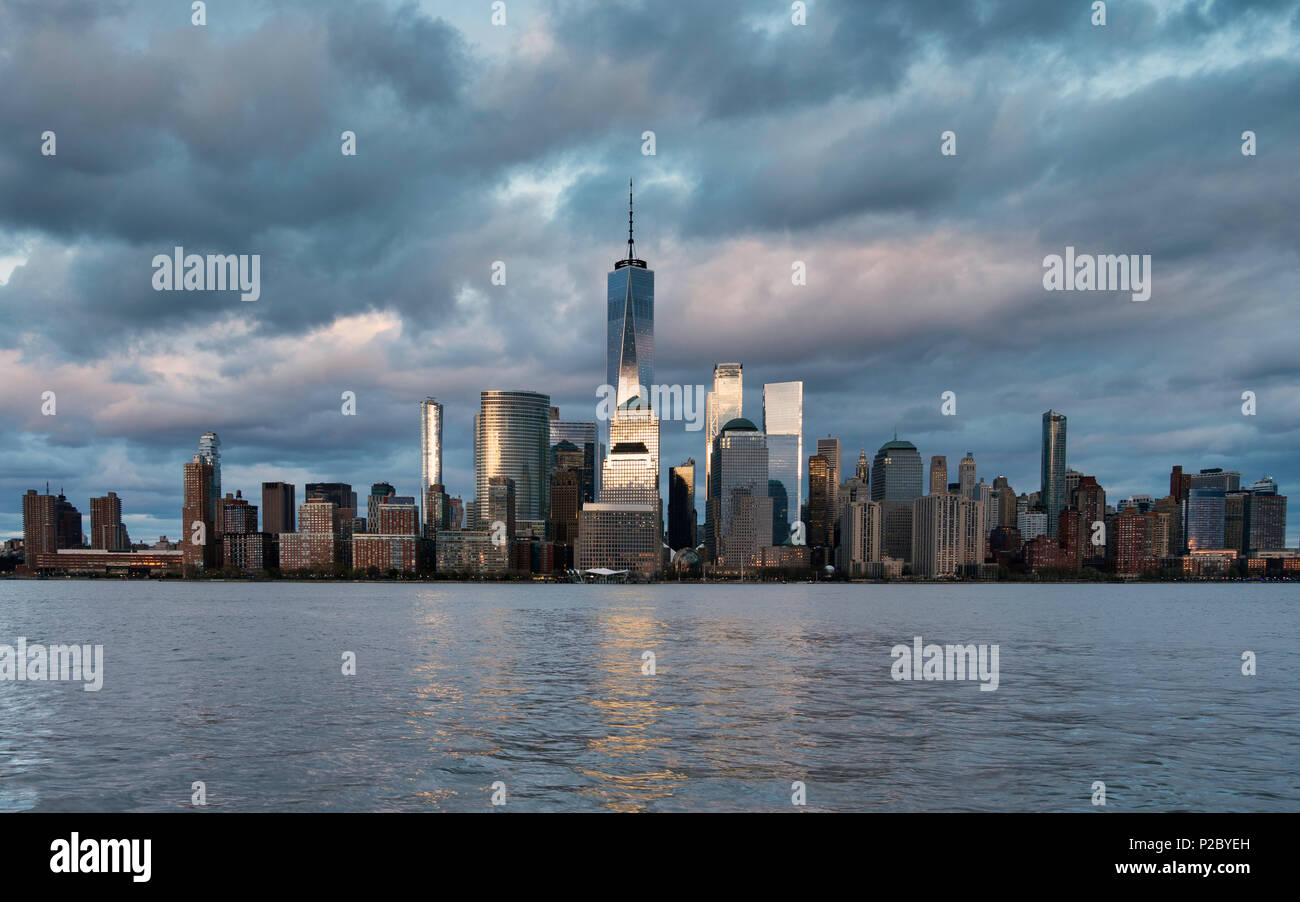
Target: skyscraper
<point>1053,469</point>
<point>512,437</point>
<point>820,529</point>
<point>430,446</point>
<point>945,535</point>
<point>583,436</point>
<point>896,482</point>
<point>49,523</point>
<point>106,529</point>
<point>198,515</point>
<point>210,451</point>
<point>566,501</point>
<point>1203,518</point>
<point>1265,517</point>
<point>630,334</point>
<point>502,504</point>
<point>966,475</point>
<point>783,426</point>
<point>722,405</point>
<point>630,473</point>
<point>830,449</point>
<point>681,505</point>
<point>739,468</point>
<point>861,536</point>
<point>938,474</point>
<point>278,507</point>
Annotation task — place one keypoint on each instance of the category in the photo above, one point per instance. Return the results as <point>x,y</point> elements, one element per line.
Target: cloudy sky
<point>775,143</point>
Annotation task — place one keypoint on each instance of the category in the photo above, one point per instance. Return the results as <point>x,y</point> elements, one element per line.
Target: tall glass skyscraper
<point>430,445</point>
<point>1052,489</point>
<point>630,348</point>
<point>739,468</point>
<point>783,425</point>
<point>721,406</point>
<point>896,482</point>
<point>512,438</point>
<point>210,452</point>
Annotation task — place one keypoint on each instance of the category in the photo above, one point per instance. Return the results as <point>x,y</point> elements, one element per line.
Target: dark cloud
<point>775,143</point>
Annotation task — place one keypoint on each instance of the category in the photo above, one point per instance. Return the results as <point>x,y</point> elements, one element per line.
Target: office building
<point>682,518</point>
<point>630,333</point>
<point>513,439</point>
<point>896,483</point>
<point>739,466</point>
<point>278,506</point>
<point>617,537</point>
<point>575,446</point>
<point>1053,469</point>
<point>783,426</point>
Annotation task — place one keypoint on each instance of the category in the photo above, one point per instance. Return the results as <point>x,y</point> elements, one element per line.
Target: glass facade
<point>896,482</point>
<point>210,452</point>
<point>512,438</point>
<point>430,445</point>
<point>1052,489</point>
<point>721,406</point>
<point>783,425</point>
<point>630,352</point>
<point>583,437</point>
<point>1203,516</point>
<point>739,468</point>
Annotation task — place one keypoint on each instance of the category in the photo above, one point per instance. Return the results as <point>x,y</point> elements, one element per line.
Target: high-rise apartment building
<point>106,529</point>
<point>430,446</point>
<point>50,522</point>
<point>379,493</point>
<point>210,451</point>
<point>1203,518</point>
<point>199,533</point>
<point>945,535</point>
<point>861,537</point>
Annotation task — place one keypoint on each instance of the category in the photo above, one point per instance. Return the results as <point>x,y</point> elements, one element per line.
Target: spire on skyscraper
<point>631,259</point>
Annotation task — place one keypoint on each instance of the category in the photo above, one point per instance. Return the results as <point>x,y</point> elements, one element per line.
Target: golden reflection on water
<point>624,700</point>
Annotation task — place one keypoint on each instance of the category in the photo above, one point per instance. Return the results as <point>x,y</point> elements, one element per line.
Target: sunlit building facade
<point>512,438</point>
<point>783,426</point>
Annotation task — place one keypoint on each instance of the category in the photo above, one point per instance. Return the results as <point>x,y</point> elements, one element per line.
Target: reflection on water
<point>541,688</point>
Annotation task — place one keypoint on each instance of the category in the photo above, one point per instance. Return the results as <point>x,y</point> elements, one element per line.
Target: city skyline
<point>923,272</point>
